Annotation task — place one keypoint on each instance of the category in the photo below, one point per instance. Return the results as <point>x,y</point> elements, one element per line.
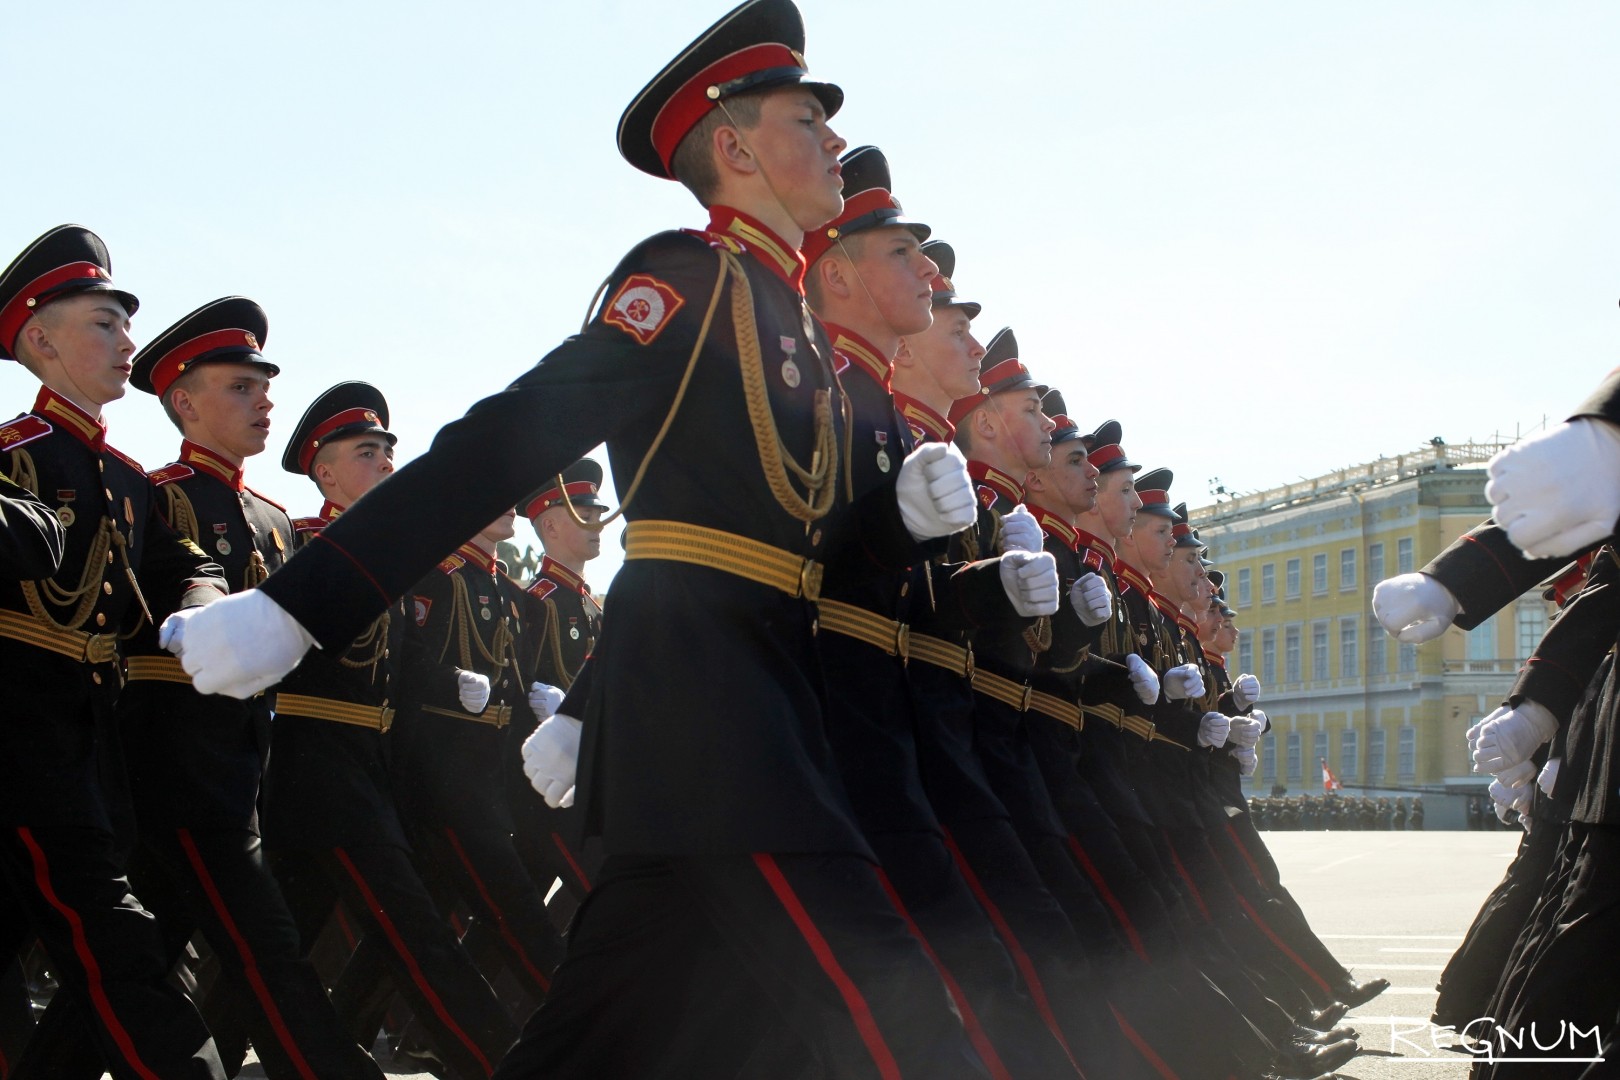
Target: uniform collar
<point>1133,577</point>
<point>987,477</point>
<point>477,556</point>
<point>80,424</point>
<point>926,424</point>
<point>330,510</point>
<point>1214,658</point>
<point>1097,544</point>
<point>208,461</point>
<point>561,574</point>
<point>771,250</point>
<point>856,351</point>
<point>1053,525</point>
<point>1166,608</point>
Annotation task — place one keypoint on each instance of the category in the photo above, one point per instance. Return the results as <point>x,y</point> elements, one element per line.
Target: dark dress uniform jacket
<point>704,729</point>
<point>1161,771</point>
<point>54,702</point>
<point>31,538</point>
<point>195,760</point>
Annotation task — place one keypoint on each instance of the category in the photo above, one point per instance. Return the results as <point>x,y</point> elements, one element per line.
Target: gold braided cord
<point>182,516</point>
<point>23,473</point>
<point>375,638</point>
<point>1038,636</point>
<point>553,638</point>
<point>85,595</point>
<point>502,646</point>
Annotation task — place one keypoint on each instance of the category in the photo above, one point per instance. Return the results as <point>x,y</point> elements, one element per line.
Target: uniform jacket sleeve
<point>1485,572</point>
<point>1557,673</point>
<point>31,538</point>
<point>1604,402</point>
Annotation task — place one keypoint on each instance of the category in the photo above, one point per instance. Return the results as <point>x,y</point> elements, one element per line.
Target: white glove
<point>1021,532</point>
<point>1414,608</point>
<point>1183,682</point>
<point>1510,736</point>
<point>550,756</point>
<point>1548,777</point>
<point>1091,600</point>
<point>1031,582</point>
<point>1472,734</point>
<point>935,492</point>
<point>236,646</point>
<point>1213,729</point>
<point>1247,760</point>
<point>1245,691</point>
<point>1510,798</point>
<point>1518,775</point>
<point>544,699</point>
<point>1245,732</point>
<point>1558,492</point>
<point>473,689</point>
<point>1144,680</point>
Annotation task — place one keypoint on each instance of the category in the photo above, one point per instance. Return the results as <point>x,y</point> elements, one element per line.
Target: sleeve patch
<point>643,306</point>
<point>420,606</point>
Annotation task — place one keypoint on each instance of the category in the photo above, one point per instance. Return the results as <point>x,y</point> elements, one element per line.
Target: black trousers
<point>670,958</point>
<point>107,949</point>
<point>380,886</point>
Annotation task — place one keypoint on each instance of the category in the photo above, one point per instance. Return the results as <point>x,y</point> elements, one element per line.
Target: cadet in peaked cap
<point>70,260</point>
<point>943,285</point>
<point>1103,446</point>
<point>231,329</point>
<point>346,410</point>
<point>1000,372</point>
<point>940,364</point>
<point>868,204</point>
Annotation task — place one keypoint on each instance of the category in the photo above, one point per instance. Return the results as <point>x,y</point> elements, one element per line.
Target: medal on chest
<point>64,513</point>
<point>221,545</point>
<point>883,461</point>
<point>573,628</point>
<point>790,369</point>
<point>483,609</point>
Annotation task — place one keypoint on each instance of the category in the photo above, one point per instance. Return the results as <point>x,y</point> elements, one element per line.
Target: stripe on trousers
<point>1142,1047</point>
<point>1108,897</point>
<point>1248,859</point>
<point>1192,886</point>
<point>501,924</point>
<point>568,857</point>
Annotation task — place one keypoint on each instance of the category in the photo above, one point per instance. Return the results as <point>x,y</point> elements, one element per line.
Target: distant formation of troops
<point>1336,812</point>
<point>909,748</point>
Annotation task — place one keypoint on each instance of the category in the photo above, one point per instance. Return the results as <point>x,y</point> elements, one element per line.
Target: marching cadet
<point>561,622</point>
<point>62,318</point>
<point>330,819</point>
<point>734,848</point>
<point>458,689</point>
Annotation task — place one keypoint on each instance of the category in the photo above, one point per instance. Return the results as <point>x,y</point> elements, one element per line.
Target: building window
<point>1291,584</point>
<point>1377,647</point>
<point>1347,568</point>
<point>1403,555</point>
<point>1375,754</point>
<point>1349,767</point>
<point>1318,574</point>
<point>1268,583</point>
<point>1482,640</point>
<point>1408,658</point>
<point>1319,652</point>
<point>1349,649</point>
<point>1319,751</point>
<point>1268,765</point>
<point>1532,624</point>
<point>1294,772</point>
<point>1245,651</point>
<point>1268,657</point>
<point>1375,563</point>
<point>1243,586</point>
<point>1406,767</point>
<point>1291,671</point>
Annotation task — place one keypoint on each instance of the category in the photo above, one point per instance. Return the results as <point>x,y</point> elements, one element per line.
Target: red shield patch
<point>643,306</point>
<point>420,606</point>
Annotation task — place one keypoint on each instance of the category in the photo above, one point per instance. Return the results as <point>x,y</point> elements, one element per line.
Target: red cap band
<point>173,363</point>
<point>306,453</point>
<point>547,499</point>
<point>22,307</point>
<point>692,102</point>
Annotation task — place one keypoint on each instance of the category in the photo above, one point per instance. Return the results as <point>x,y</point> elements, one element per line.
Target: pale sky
<point>1270,238</point>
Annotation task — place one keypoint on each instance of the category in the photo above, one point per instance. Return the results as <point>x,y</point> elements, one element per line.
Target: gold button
<point>815,538</point>
<point>106,587</point>
<point>101,619</point>
<point>109,558</point>
<point>905,587</point>
<point>102,465</point>
<point>96,675</point>
<point>109,494</point>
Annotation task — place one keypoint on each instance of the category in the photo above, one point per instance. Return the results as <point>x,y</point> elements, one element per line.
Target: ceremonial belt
<point>1002,689</point>
<point>73,644</point>
<point>889,635</point>
<point>678,541</point>
<point>157,669</point>
<point>1136,725</point>
<point>375,717</point>
<point>956,659</point>
<point>497,716</point>
<point>1057,708</point>
<point>1106,712</point>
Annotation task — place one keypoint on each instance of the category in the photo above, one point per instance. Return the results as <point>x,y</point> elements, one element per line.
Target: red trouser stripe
<point>1108,896</point>
<point>1192,886</point>
<point>1158,1063</point>
<point>970,1020</point>
<point>87,959</point>
<point>1026,967</point>
<point>1282,946</point>
<point>250,965</point>
<point>344,928</point>
<point>859,1011</point>
<point>501,924</point>
<point>1248,859</point>
<point>404,953</point>
<point>568,857</point>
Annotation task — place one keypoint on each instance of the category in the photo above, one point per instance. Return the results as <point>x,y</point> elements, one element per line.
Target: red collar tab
<point>208,461</point>
<point>1214,658</point>
<point>38,292</point>
<point>926,424</point>
<point>1133,577</point>
<point>700,94</point>
<point>80,424</point>
<point>477,556</point>
<point>1053,525</point>
<point>992,482</point>
<point>759,241</point>
<point>1153,498</point>
<point>306,453</point>
<point>1097,544</point>
<point>172,364</point>
<point>860,353</point>
<point>1166,608</point>
<point>330,511</point>
<point>555,570</point>
<point>1187,623</point>
<point>554,497</point>
<point>859,205</point>
<point>1573,580</point>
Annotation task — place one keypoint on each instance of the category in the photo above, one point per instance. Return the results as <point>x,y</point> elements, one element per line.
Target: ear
<point>984,423</point>
<point>38,340</point>
<point>1036,481</point>
<point>731,153</point>
<point>834,275</point>
<point>903,356</point>
<point>184,407</point>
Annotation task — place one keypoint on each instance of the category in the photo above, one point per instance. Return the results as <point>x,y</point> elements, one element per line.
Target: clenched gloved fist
<point>1031,582</point>
<point>1183,682</point>
<point>935,492</point>
<point>1144,680</point>
<point>1511,735</point>
<point>473,689</point>
<point>1511,798</point>
<point>544,699</point>
<point>1213,729</point>
<point>1020,531</point>
<point>550,757</point>
<point>1518,775</point>
<point>1558,492</point>
<point>1548,777</point>
<point>1247,760</point>
<point>1245,691</point>
<point>1246,731</point>
<point>1414,608</point>
<point>236,646</point>
<point>1091,600</point>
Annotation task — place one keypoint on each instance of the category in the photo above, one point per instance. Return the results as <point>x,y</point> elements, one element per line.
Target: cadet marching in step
<point>970,804</point>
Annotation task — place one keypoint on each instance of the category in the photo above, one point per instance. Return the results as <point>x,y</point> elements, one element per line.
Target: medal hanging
<point>221,545</point>
<point>883,461</point>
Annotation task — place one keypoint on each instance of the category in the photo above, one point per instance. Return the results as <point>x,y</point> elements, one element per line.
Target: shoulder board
<point>452,564</point>
<point>179,470</point>
<point>125,458</point>
<point>262,497</point>
<point>542,588</point>
<point>308,524</point>
<point>24,429</point>
<point>718,240</point>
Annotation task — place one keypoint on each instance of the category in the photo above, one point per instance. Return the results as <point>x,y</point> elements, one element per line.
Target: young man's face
<point>798,154</point>
<point>502,528</point>
<point>1028,430</point>
<point>1226,637</point>
<point>226,407</point>
<point>353,466</point>
<point>1155,542</point>
<point>1118,502</point>
<point>1073,477</point>
<point>949,352</point>
<point>894,275</point>
<point>89,348</point>
<point>1186,569</point>
<point>567,542</point>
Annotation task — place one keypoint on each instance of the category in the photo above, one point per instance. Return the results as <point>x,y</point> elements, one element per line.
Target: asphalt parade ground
<point>1391,904</point>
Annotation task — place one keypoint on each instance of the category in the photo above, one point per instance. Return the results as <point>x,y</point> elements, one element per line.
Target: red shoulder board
<point>542,588</point>
<point>125,458</point>
<point>452,564</point>
<point>179,470</point>
<point>718,240</point>
<point>1093,560</point>
<point>643,306</point>
<point>308,525</point>
<point>24,429</point>
<point>262,497</point>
